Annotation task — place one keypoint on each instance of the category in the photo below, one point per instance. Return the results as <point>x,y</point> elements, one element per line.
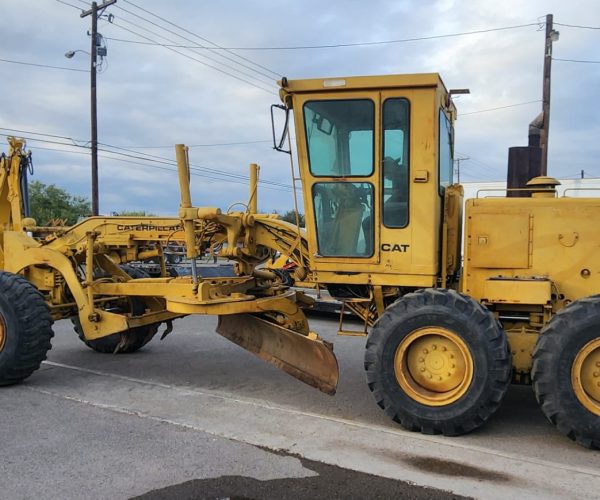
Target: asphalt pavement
<point>194,416</point>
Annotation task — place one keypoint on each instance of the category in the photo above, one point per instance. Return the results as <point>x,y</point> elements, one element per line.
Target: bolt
<point>453,365</point>
<point>449,374</point>
<point>434,347</point>
<point>422,369</point>
<point>421,359</point>
<point>429,375</point>
<point>596,374</point>
<point>439,378</point>
<point>451,356</point>
<point>443,348</point>
<point>598,364</point>
<point>425,351</point>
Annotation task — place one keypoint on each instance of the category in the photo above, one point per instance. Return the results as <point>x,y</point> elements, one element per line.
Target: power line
<point>214,60</point>
<point>197,60</point>
<point>161,159</point>
<point>578,26</point>
<point>43,65</point>
<point>355,44</point>
<point>69,4</point>
<point>239,143</point>
<point>576,60</point>
<point>146,165</point>
<point>276,74</point>
<point>142,156</point>
<point>499,107</point>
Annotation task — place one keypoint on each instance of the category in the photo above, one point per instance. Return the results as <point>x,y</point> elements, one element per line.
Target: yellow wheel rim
<point>585,376</point>
<point>2,332</point>
<point>433,366</point>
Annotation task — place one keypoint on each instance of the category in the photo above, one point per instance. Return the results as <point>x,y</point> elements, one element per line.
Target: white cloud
<point>150,96</point>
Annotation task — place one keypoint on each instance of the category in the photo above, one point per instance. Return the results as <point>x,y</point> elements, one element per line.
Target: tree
<point>51,202</point>
<point>290,216</point>
<point>134,213</point>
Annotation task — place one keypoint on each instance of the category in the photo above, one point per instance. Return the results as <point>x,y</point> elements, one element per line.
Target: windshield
<point>339,136</point>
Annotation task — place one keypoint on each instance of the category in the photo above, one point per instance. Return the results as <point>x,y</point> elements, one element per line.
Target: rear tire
<point>127,341</point>
<point>566,371</point>
<point>25,328</point>
<point>438,362</point>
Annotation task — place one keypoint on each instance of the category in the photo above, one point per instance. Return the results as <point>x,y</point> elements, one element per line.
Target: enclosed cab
<point>375,155</point>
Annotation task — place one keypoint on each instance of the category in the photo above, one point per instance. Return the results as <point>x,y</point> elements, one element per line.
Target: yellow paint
<point>585,376</point>
<point>433,366</point>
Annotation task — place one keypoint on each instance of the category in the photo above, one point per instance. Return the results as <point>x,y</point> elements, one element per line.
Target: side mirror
<point>279,144</point>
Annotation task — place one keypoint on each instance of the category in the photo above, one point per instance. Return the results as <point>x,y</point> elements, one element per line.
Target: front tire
<point>130,340</point>
<point>438,362</point>
<point>25,328</point>
<point>566,371</point>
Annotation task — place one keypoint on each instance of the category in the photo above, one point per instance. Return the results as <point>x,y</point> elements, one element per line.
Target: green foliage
<point>51,202</point>
<point>290,216</point>
<point>134,213</point>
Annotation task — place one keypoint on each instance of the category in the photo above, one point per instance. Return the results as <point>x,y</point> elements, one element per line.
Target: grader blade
<point>308,358</point>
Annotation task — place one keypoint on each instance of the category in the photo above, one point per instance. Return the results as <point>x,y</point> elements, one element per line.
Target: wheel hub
<point>585,376</point>
<point>433,366</point>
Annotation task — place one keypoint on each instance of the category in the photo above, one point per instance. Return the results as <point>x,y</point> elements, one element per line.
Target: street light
<point>71,53</point>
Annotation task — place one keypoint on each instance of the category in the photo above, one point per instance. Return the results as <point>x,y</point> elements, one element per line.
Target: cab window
<point>343,216</point>
<point>395,162</point>
<point>339,137</point>
<point>445,152</point>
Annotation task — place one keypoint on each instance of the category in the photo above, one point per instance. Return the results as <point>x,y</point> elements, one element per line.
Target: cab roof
<point>362,83</point>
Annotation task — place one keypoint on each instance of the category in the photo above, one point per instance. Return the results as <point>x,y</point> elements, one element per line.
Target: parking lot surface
<point>184,416</point>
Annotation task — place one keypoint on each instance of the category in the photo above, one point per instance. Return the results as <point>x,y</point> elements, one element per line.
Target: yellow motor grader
<point>455,315</point>
<point>82,272</point>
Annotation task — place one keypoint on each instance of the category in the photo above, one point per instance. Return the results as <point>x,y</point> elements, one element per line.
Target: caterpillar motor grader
<point>460,307</point>
<point>384,234</point>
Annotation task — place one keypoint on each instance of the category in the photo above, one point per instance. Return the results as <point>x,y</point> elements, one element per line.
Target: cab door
<point>339,158</point>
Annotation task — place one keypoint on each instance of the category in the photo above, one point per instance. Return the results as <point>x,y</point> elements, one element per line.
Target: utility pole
<point>551,36</point>
<point>94,12</point>
<point>458,160</point>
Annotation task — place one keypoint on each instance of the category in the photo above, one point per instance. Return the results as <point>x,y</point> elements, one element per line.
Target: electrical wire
<point>270,77</point>
<point>499,107</point>
<point>205,145</point>
<point>43,65</point>
<point>274,73</point>
<point>197,60</point>
<point>576,60</point>
<point>355,44</point>
<point>232,68</point>
<point>578,26</point>
<point>156,167</point>
<point>144,156</point>
<point>70,5</point>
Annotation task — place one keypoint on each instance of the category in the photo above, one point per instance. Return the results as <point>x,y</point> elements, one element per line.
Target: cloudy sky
<point>151,97</point>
